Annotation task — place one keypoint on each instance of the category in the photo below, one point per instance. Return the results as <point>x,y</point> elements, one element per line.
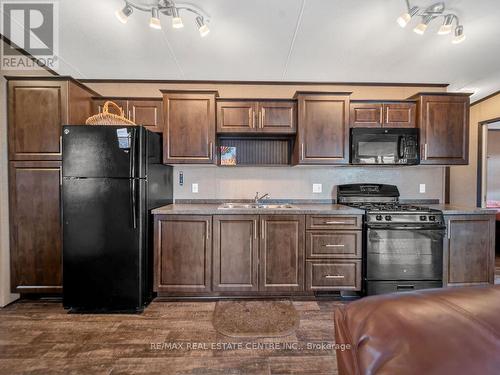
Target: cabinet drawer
<point>337,244</point>
<point>333,222</point>
<point>333,275</point>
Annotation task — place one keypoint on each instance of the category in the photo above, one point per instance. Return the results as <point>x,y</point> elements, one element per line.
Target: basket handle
<point>115,107</point>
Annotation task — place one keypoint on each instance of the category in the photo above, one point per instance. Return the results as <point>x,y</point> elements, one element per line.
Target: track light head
<point>176,19</point>
<point>124,13</point>
<point>154,21</point>
<point>447,25</point>
<point>422,26</point>
<point>202,27</point>
<point>459,35</point>
<point>406,17</point>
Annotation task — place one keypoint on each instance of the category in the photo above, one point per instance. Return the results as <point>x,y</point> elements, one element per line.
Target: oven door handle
<point>405,227</point>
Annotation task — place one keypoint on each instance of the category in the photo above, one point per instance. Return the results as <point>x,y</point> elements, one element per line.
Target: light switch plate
<point>422,188</point>
<point>194,188</point>
<point>317,188</point>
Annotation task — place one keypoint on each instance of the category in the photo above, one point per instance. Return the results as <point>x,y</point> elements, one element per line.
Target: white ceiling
<point>289,40</point>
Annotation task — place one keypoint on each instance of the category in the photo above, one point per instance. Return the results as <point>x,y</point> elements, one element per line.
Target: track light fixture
<point>430,13</point>
<point>168,8</point>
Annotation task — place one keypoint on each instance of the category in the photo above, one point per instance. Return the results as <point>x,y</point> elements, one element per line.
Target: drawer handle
<point>334,276</point>
<point>334,222</point>
<point>328,245</point>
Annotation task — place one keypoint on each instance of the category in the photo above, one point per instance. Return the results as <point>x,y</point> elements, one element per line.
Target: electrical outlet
<point>317,188</point>
<point>422,188</point>
<point>194,188</point>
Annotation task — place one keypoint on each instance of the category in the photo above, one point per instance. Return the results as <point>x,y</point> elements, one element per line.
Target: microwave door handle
<point>401,144</point>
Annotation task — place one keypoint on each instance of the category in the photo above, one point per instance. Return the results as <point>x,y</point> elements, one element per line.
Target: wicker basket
<point>108,118</point>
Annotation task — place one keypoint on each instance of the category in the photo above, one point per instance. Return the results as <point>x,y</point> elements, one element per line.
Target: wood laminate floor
<point>39,337</point>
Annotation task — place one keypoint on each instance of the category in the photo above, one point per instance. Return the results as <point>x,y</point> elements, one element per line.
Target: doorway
<point>488,190</point>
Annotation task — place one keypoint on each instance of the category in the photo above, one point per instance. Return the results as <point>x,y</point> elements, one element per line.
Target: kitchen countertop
<point>213,209</point>
<point>449,209</point>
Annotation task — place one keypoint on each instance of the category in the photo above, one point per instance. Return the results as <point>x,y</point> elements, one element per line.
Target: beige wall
<point>463,184</point>
<point>5,295</point>
<point>493,166</point>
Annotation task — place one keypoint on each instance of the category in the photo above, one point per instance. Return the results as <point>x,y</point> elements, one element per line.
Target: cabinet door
<point>189,128</point>
<point>282,253</point>
<point>444,123</point>
<point>365,115</point>
<point>98,104</point>
<point>183,253</point>
<point>278,117</point>
<point>236,116</point>
<point>469,251</point>
<point>323,129</point>
<point>147,113</point>
<point>35,227</point>
<point>37,110</point>
<point>235,263</point>
<point>400,115</point>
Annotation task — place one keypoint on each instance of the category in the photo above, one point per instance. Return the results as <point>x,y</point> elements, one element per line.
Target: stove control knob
<point>378,217</point>
<point>432,218</point>
<point>423,218</point>
<point>388,218</point>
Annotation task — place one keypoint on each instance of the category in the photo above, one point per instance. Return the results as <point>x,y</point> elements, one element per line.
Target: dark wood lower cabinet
<point>469,250</point>
<point>236,253</point>
<point>282,253</point>
<point>35,229</point>
<point>333,275</point>
<point>183,253</point>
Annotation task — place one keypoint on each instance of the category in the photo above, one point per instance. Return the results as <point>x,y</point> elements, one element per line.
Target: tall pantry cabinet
<point>37,109</point>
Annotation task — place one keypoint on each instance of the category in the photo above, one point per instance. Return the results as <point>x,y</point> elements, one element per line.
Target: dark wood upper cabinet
<point>399,115</point>
<point>183,247</point>
<point>236,116</point>
<point>444,128</point>
<point>469,250</point>
<point>35,227</point>
<point>367,114</point>
<point>282,253</point>
<point>323,129</point>
<point>37,109</point>
<point>278,117</point>
<point>250,116</point>
<point>235,254</point>
<point>147,113</point>
<point>189,127</point>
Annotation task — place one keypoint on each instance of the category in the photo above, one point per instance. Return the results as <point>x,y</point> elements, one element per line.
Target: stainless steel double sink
<point>244,206</point>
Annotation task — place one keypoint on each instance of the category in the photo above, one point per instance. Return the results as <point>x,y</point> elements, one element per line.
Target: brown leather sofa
<point>438,331</point>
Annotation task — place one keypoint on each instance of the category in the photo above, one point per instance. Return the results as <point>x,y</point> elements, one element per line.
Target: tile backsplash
<point>297,182</point>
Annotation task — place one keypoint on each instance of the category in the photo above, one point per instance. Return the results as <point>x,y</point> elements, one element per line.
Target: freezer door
<point>103,151</point>
<point>103,244</point>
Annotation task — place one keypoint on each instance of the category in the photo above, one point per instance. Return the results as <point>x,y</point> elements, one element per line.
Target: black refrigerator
<point>112,177</point>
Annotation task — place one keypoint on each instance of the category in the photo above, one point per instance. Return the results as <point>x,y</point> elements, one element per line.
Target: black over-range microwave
<point>385,146</point>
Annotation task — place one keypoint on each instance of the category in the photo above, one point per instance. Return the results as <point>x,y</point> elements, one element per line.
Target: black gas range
<point>403,243</point>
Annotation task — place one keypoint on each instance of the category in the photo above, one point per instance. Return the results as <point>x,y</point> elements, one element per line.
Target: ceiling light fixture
<point>176,19</point>
<point>168,8</point>
<point>202,27</point>
<point>422,26</point>
<point>459,35</point>
<point>427,15</point>
<point>406,17</point>
<point>154,21</point>
<point>123,14</point>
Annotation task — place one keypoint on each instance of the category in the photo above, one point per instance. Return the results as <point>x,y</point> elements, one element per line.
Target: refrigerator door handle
<point>132,153</point>
<point>133,203</point>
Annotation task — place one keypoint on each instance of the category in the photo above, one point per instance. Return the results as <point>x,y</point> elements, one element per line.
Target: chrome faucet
<point>257,199</point>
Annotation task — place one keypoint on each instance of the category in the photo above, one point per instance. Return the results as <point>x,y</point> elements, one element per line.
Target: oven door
<point>404,253</point>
